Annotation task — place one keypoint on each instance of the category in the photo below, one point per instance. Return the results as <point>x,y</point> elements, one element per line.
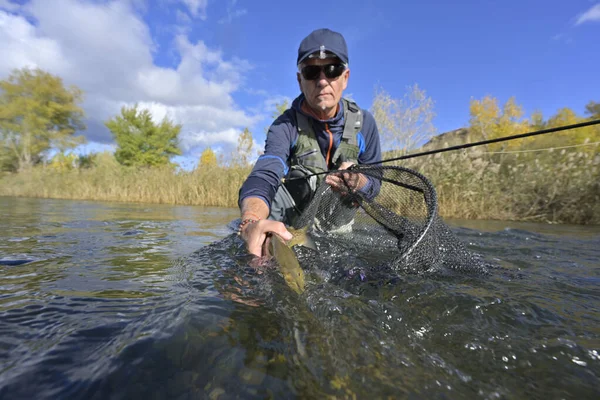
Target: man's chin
<point>324,105</point>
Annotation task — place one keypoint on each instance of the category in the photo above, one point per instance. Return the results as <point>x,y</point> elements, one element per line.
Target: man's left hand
<point>346,182</point>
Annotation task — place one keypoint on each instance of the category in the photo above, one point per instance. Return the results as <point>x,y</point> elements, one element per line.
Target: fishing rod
<point>467,145</point>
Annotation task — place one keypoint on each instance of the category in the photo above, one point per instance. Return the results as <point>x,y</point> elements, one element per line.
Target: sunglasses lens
<point>312,72</point>
<point>334,70</point>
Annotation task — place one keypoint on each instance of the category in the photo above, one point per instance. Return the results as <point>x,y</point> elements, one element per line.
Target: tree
<point>208,158</point>
<point>37,113</point>
<point>62,162</point>
<point>280,109</point>
<point>488,121</point>
<point>8,159</point>
<point>140,141</point>
<point>404,123</point>
<point>566,116</point>
<point>244,148</point>
<point>593,110</point>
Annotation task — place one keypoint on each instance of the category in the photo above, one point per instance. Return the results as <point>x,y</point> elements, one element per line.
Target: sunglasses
<point>312,72</point>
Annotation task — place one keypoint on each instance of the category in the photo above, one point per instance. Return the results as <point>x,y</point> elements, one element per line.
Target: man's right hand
<point>255,234</point>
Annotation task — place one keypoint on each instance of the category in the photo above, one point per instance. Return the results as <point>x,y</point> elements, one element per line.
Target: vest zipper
<point>330,145</point>
<point>307,153</point>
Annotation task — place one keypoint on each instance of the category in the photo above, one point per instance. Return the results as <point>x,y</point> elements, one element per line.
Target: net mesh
<point>397,220</point>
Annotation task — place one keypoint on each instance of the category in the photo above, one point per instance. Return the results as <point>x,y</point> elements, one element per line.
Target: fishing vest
<point>292,197</point>
<point>307,152</point>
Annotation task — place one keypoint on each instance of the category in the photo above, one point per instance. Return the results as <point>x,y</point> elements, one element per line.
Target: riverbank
<point>210,186</point>
<point>563,187</point>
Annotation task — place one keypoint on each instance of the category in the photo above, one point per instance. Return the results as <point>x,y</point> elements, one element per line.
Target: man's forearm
<point>254,208</point>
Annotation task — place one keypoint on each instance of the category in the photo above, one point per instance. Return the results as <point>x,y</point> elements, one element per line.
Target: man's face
<point>323,94</point>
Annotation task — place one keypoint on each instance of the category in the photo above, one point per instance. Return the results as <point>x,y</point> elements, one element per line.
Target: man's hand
<point>346,182</point>
<point>255,233</point>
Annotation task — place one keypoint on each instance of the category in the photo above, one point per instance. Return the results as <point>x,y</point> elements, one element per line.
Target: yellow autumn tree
<point>62,162</point>
<point>208,158</point>
<point>489,121</point>
<point>572,137</point>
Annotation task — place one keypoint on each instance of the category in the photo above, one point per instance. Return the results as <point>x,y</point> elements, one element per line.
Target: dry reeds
<point>212,186</point>
<point>550,186</point>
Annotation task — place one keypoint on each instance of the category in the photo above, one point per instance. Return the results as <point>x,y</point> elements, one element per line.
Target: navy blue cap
<point>324,42</point>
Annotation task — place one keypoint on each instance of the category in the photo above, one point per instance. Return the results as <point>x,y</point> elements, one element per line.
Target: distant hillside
<point>447,139</point>
<point>443,140</point>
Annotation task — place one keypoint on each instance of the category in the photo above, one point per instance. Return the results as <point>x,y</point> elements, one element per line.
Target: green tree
<point>37,113</point>
<point>8,159</point>
<point>140,141</point>
<point>86,161</point>
<point>208,158</point>
<point>593,110</point>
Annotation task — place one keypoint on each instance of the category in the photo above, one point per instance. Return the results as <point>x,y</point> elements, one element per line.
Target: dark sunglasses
<point>312,72</point>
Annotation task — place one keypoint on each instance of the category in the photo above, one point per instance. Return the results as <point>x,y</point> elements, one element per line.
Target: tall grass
<point>552,186</point>
<point>212,186</point>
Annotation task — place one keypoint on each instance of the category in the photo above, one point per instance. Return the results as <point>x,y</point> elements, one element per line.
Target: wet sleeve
<point>370,152</point>
<point>270,167</point>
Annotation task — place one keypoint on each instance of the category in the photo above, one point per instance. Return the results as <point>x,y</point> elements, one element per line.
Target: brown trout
<point>286,258</point>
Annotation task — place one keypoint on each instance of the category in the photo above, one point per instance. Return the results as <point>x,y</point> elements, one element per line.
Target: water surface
<point>110,300</point>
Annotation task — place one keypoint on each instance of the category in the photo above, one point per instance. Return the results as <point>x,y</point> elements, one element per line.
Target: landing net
<point>397,216</point>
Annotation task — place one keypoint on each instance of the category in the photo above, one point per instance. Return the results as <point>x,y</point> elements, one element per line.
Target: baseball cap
<point>326,43</point>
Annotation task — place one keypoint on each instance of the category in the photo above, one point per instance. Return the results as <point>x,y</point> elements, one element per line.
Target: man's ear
<point>299,78</point>
<point>346,78</point>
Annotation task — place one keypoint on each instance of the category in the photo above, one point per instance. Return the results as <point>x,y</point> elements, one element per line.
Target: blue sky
<point>217,66</point>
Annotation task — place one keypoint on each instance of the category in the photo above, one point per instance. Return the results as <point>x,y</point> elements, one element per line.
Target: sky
<point>218,66</point>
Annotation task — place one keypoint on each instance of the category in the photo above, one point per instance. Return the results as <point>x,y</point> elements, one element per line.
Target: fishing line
<point>544,149</point>
<point>464,146</point>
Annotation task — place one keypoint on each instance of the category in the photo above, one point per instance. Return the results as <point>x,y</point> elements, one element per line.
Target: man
<point>321,131</point>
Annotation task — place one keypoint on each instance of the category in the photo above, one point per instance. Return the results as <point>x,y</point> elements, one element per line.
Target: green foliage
<point>37,113</point>
<point>208,158</point>
<point>8,159</point>
<point>140,141</point>
<point>593,110</point>
<point>87,161</point>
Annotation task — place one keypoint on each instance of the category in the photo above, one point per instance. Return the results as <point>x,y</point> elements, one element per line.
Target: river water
<point>127,301</point>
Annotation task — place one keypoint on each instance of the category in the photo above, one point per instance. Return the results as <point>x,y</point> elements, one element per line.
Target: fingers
<point>255,234</point>
<point>346,165</point>
<point>346,182</point>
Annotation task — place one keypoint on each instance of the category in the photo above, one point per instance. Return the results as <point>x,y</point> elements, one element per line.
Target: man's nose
<point>322,80</point>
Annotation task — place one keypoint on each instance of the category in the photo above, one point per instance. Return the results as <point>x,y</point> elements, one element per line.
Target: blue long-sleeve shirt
<point>270,167</point>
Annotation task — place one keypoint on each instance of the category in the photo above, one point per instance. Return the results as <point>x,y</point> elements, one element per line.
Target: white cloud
<point>591,15</point>
<point>107,50</point>
<point>233,12</point>
<point>197,7</point>
<point>7,5</point>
